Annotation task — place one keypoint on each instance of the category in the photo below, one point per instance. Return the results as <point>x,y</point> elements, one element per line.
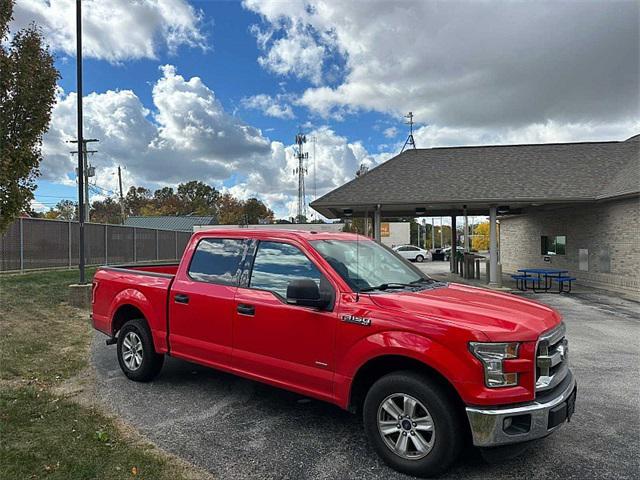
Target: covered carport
<point>485,180</point>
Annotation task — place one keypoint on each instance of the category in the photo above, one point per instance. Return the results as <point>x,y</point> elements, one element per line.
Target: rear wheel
<point>413,424</point>
<point>420,258</point>
<point>136,354</point>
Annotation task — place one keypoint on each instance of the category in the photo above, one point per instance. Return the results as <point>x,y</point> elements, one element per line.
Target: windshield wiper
<point>386,286</point>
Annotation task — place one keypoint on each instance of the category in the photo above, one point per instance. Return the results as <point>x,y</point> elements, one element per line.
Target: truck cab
<point>338,317</point>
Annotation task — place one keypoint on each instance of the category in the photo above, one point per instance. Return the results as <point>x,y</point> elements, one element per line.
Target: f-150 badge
<point>365,322</point>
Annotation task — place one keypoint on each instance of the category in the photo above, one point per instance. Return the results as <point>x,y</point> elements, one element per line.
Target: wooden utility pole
<point>121,196</point>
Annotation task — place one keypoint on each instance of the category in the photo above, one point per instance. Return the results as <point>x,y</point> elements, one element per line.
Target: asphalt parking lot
<point>237,429</point>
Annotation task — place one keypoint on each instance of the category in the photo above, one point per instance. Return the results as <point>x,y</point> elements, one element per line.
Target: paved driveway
<point>238,429</point>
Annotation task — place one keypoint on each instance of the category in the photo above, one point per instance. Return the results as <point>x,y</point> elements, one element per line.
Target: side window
<point>276,264</point>
<point>217,260</point>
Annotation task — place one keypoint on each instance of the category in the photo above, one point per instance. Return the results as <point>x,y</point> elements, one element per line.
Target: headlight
<point>492,356</point>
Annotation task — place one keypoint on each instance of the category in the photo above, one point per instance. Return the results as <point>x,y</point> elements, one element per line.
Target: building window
<point>553,245</point>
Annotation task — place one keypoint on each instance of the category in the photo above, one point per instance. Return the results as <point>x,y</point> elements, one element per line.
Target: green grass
<point>43,339</point>
<point>43,434</point>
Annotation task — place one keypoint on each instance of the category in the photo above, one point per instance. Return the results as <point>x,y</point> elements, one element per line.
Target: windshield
<point>367,265</point>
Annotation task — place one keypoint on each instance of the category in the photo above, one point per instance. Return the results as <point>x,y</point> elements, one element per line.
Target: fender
<point>137,299</point>
<point>449,364</point>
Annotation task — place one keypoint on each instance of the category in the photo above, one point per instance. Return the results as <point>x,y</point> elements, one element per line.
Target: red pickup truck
<point>343,319</point>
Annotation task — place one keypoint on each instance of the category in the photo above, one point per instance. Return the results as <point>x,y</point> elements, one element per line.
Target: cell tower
<point>410,140</point>
<point>301,171</point>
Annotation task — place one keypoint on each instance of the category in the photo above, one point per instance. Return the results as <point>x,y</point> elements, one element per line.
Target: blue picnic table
<point>537,275</point>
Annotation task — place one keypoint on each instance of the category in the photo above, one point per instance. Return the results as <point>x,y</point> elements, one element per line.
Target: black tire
<point>151,362</point>
<point>448,429</point>
<point>420,258</point>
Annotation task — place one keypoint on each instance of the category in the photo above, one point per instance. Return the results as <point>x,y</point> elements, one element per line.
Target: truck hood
<point>500,316</point>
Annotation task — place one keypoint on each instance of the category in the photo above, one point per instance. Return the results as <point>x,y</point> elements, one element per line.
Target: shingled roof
<point>179,223</point>
<point>545,173</point>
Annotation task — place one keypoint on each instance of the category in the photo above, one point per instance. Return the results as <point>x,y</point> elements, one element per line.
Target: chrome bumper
<point>492,427</point>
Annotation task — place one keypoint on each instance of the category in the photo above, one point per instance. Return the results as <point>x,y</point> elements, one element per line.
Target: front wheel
<point>413,424</point>
<point>420,259</point>
<point>136,354</point>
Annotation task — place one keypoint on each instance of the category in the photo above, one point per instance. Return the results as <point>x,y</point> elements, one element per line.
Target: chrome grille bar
<point>551,358</point>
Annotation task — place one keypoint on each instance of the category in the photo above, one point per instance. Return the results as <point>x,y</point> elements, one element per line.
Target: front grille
<point>552,358</point>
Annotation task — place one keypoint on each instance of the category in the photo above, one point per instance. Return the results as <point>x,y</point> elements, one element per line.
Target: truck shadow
<point>238,428</point>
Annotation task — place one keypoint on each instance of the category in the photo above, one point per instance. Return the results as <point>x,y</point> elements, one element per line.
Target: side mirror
<point>306,293</point>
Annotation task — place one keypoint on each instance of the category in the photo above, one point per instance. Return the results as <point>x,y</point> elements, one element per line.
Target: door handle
<point>244,309</point>
<point>181,298</point>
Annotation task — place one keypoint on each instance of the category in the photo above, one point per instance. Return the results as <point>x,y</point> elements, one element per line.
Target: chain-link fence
<point>33,243</point>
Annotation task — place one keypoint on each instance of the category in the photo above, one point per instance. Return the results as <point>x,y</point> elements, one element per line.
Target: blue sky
<point>216,91</point>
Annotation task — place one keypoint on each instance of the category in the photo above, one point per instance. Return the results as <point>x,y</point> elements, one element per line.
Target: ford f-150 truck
<point>343,319</point>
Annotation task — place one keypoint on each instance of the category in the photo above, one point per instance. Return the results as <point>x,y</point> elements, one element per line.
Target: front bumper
<point>491,427</point>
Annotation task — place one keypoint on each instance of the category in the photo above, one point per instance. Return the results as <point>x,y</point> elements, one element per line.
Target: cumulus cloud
<point>336,162</point>
<point>186,136</point>
<point>472,65</point>
<point>546,132</point>
<point>276,107</point>
<point>390,132</point>
<point>141,26</point>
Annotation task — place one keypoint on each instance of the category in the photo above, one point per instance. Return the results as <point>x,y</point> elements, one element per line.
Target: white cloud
<point>297,52</point>
<point>390,132</point>
<point>547,132</point>
<point>276,107</point>
<point>115,30</point>
<point>38,207</point>
<point>336,162</point>
<point>189,136</point>
<point>469,65</point>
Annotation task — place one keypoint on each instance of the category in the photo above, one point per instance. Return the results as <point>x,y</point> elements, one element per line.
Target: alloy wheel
<point>132,351</point>
<point>406,426</point>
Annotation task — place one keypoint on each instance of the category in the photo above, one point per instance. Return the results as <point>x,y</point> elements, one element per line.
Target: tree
<point>257,212</point>
<point>64,210</point>
<point>136,199</point>
<point>230,210</point>
<point>480,238</point>
<point>165,202</point>
<point>106,211</point>
<point>27,95</point>
<point>199,198</point>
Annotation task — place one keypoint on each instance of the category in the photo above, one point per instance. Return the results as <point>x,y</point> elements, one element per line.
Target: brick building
<point>561,205</point>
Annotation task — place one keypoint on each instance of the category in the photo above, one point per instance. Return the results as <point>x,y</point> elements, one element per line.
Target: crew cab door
<point>202,301</point>
<point>285,344</point>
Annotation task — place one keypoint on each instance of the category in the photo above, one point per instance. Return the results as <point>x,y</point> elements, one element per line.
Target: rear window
<point>217,260</point>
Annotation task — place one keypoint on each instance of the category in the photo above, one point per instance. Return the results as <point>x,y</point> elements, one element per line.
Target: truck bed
<point>146,288</point>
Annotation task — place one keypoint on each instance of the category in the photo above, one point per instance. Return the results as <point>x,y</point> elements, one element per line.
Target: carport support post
<point>454,246</point>
<point>377,227</point>
<point>365,224</point>
<point>493,246</point>
<point>466,230</point>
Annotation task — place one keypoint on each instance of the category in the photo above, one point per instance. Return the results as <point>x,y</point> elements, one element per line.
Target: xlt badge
<point>365,322</point>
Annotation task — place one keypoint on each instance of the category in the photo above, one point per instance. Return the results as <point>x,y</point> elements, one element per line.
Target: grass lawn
<point>44,432</point>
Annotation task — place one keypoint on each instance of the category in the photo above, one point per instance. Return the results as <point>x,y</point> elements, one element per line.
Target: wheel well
<point>378,367</point>
<point>123,315</point>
